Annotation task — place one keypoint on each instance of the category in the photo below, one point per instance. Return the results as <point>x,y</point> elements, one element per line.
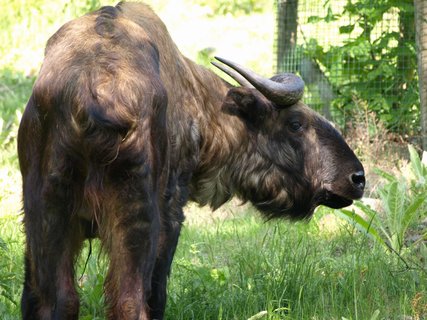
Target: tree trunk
<point>287,23</point>
<point>421,28</point>
<point>312,74</point>
<point>405,73</point>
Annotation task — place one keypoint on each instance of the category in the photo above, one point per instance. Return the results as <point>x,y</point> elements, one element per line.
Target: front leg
<point>169,235</point>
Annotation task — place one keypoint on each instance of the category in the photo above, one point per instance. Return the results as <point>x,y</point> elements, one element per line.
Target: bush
<point>373,62</point>
<point>399,223</point>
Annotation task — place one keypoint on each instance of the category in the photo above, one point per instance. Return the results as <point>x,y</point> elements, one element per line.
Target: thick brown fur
<point>122,130</point>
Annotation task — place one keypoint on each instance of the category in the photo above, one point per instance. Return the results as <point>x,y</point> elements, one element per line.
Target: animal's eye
<point>295,125</point>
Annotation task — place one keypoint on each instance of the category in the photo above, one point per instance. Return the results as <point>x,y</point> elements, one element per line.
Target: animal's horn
<point>284,90</point>
<point>233,74</point>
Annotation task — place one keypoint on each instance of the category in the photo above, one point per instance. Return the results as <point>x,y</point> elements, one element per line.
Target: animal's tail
<point>106,123</point>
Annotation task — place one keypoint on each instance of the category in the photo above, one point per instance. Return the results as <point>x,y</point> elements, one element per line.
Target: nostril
<point>358,179</point>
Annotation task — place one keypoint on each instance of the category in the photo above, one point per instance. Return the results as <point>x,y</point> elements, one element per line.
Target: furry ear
<point>247,104</point>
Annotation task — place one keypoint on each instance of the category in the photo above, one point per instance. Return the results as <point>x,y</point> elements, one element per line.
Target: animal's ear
<point>246,103</point>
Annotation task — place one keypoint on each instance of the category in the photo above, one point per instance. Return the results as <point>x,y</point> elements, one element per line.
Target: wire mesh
<point>351,60</point>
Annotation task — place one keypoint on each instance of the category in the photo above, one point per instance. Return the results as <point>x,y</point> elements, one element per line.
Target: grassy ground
<point>242,267</point>
<point>229,264</point>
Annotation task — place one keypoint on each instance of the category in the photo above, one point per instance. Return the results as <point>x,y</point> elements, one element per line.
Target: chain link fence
<point>353,58</point>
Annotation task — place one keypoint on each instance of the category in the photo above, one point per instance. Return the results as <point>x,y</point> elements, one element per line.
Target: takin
<point>121,130</point>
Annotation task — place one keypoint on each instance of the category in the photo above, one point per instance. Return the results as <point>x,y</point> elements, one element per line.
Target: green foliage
<point>235,7</point>
<point>403,207</point>
<point>374,66</point>
<point>362,224</point>
<point>11,273</point>
<point>14,89</point>
<point>91,275</point>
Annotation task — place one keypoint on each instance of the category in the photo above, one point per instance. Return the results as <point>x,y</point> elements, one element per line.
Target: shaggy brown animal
<point>122,130</point>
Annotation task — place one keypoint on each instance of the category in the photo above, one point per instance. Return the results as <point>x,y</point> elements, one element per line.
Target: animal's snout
<point>358,180</point>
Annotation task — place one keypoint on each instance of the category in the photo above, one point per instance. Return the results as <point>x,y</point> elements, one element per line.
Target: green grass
<point>237,268</point>
<point>241,267</point>
<point>11,266</point>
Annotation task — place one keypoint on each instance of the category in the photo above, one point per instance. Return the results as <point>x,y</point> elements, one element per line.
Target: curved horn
<point>233,74</point>
<point>286,90</point>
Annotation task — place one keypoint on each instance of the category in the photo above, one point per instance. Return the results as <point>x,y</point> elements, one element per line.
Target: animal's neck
<point>222,141</point>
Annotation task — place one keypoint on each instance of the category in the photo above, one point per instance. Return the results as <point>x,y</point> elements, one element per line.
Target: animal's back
<point>98,104</point>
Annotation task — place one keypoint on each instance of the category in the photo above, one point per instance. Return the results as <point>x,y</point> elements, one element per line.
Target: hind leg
<point>129,230</point>
<point>54,238</point>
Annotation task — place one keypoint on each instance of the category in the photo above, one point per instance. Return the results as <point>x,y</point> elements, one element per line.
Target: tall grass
<point>11,266</point>
<point>14,90</point>
<point>243,267</point>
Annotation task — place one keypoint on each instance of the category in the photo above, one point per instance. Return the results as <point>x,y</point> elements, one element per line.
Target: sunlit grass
<point>14,91</point>
<point>241,266</point>
<point>11,266</point>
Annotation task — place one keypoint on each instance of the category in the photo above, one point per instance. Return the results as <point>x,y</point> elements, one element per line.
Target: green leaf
<point>381,70</point>
<point>3,244</point>
<point>314,19</point>
<point>330,16</point>
<point>412,209</point>
<point>417,166</point>
<point>371,213</point>
<point>347,29</point>
<point>361,224</point>
<point>375,315</point>
<point>393,197</point>
<point>6,293</point>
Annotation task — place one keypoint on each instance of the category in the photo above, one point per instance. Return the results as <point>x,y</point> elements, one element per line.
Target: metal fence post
<point>421,38</point>
<point>287,23</point>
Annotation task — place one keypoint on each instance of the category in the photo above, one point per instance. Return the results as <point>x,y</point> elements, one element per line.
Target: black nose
<point>358,180</point>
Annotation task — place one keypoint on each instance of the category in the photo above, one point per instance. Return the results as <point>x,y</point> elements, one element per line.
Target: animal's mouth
<point>335,201</point>
<point>340,195</point>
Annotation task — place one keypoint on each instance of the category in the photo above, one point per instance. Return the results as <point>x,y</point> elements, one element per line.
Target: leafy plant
<point>5,277</point>
<point>372,64</point>
<point>10,267</point>
<point>403,203</point>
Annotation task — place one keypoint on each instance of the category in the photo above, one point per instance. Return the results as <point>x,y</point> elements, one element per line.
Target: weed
<point>403,207</point>
<point>11,273</point>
